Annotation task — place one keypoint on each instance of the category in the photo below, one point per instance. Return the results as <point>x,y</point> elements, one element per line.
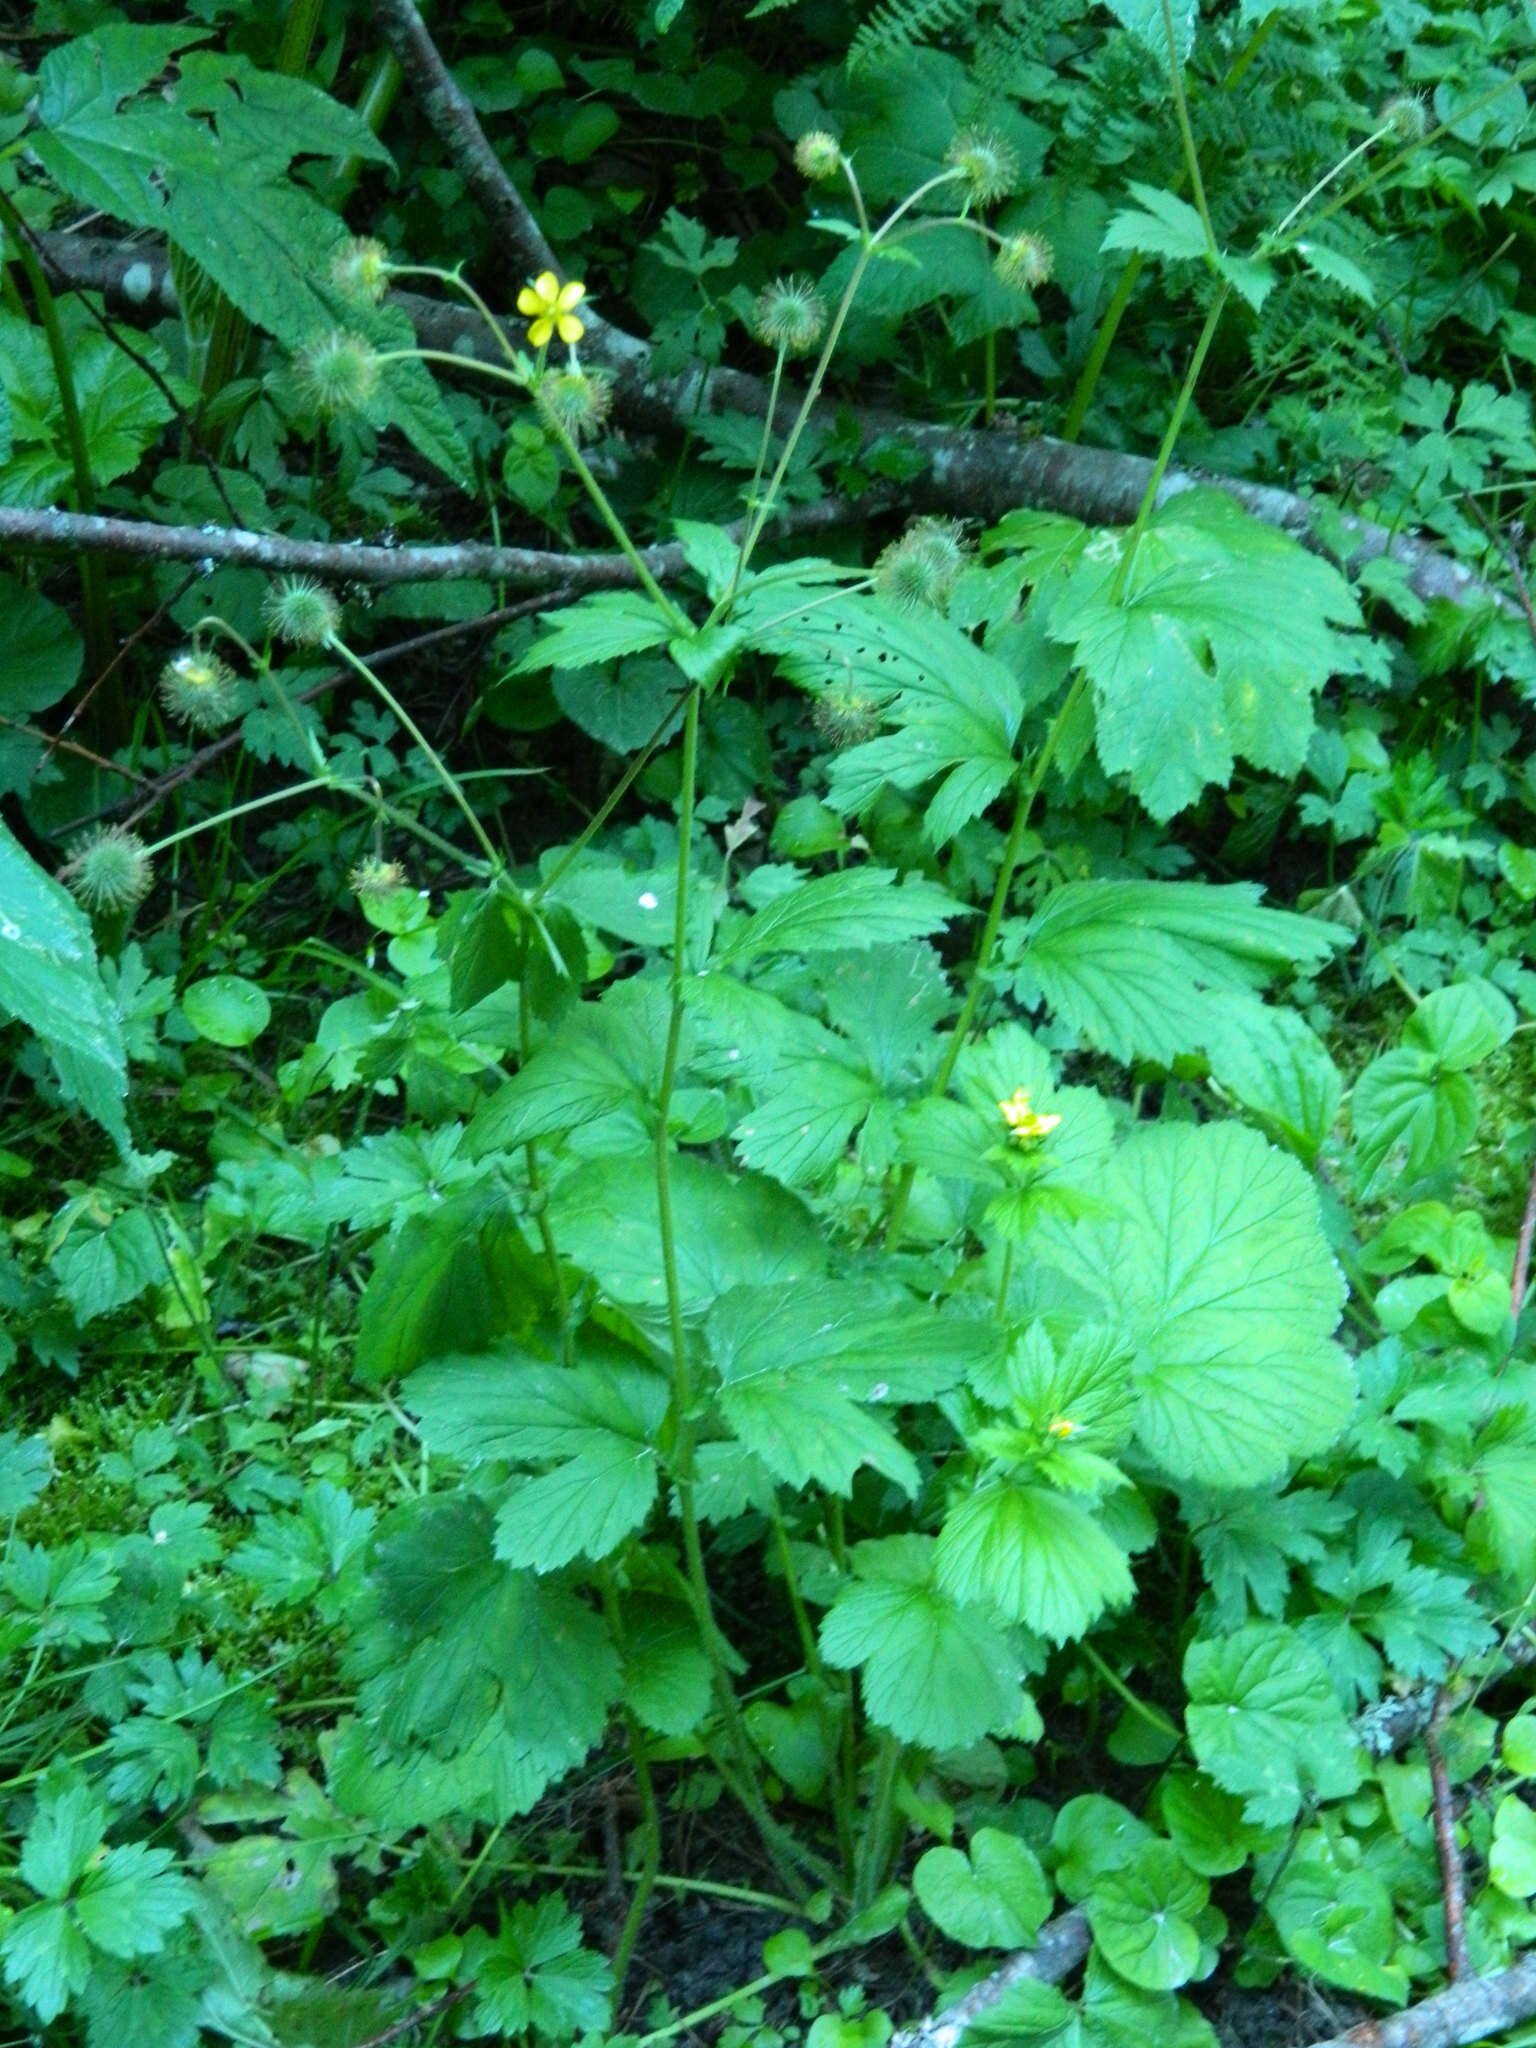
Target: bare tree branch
<point>1468,2011</point>
<point>978,474</point>
<point>457,126</point>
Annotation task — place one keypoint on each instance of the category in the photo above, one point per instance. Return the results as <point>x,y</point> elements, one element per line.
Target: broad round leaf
<point>997,1897</point>
<point>227,1009</point>
<point>1144,1918</point>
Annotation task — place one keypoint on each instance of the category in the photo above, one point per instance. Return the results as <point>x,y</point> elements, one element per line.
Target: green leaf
<point>933,1672</point>
<point>1164,225</point>
<point>622,708</point>
<point>104,157</point>
<point>800,1131</point>
<point>455,1279</point>
<point>226,1009</point>
<point>796,1371</point>
<point>799,1742</point>
<point>1340,1925</point>
<point>731,1229</point>
<point>26,1466</point>
<point>1512,1857</point>
<point>1266,1723</point>
<point>534,1976</point>
<point>667,1677</point>
<point>1204,1823</point>
<point>1278,1068</point>
<point>1146,1918</point>
<point>994,1896</point>
<point>1222,635</point>
<point>51,982</point>
<point>603,1059</point>
<point>956,707</point>
<point>1128,963</point>
<point>1410,1118</point>
<point>43,652</point>
<point>46,1957</point>
<point>1458,1027</point>
<point>600,1420</point>
<point>1337,268</point>
<point>1040,1557</point>
<point>1216,1268</point>
<point>100,1270</point>
<point>64,1834</point>
<point>467,1662</point>
<point>596,629</point>
<point>836,913</point>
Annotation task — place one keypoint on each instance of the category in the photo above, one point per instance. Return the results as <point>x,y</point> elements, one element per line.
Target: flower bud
<point>577,400</point>
<point>1405,117</point>
<point>198,690</point>
<point>301,611</point>
<point>790,314</point>
<point>817,156</point>
<point>373,879</point>
<point>922,567</point>
<point>360,270</point>
<point>1024,261</point>
<point>109,870</point>
<point>988,164</point>
<point>845,716</point>
<point>339,372</point>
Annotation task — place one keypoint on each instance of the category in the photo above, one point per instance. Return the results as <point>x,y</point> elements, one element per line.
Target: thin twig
<point>416,2018</point>
<point>154,793</point>
<point>1520,1278</point>
<point>1453,1881</point>
<point>52,740</point>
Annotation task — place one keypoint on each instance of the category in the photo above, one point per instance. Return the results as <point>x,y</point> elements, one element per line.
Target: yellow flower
<point>1024,1124</point>
<point>1063,1426</point>
<point>551,309</point>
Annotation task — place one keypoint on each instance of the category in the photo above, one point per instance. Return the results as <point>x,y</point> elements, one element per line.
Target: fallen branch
<point>979,474</point>
<point>457,126</point>
<point>1061,1946</point>
<point>355,562</point>
<point>1466,2012</point>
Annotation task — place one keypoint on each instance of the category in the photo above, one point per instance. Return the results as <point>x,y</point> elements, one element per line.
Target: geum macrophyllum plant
<point>734,1230</point>
<point>951,1331</point>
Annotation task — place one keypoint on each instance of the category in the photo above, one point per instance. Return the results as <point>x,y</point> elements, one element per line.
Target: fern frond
<point>899,25</point>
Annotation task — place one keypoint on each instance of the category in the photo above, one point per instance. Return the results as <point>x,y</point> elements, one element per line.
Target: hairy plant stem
<point>996,911</point>
<point>678,620</point>
<point>869,244</point>
<point>93,590</point>
<point>788,1856</point>
<point>605,809</point>
<point>1187,136</point>
<point>439,767</point>
<point>873,1855</point>
<point>650,1818</point>
<point>1153,1716</point>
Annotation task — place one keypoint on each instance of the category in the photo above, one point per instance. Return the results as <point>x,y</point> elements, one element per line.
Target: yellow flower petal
<point>570,295</point>
<point>528,300</point>
<point>540,332</point>
<point>569,328</point>
<point>547,285</point>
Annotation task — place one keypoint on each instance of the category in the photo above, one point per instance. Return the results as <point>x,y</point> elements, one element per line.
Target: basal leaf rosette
<point>1213,1265</point>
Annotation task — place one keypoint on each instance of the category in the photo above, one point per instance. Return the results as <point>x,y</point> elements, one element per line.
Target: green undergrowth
<point>829,1240</point>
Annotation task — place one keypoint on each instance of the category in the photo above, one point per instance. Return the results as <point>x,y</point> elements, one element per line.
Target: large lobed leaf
<point>1215,1266</point>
